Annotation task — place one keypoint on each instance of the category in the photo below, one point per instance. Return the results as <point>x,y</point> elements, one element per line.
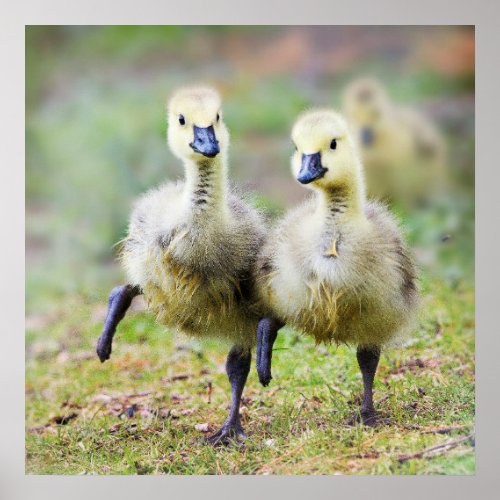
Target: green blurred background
<point>95,130</point>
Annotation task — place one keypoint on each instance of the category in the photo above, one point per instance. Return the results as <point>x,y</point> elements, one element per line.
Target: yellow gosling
<point>336,267</point>
<point>192,246</point>
<point>403,152</point>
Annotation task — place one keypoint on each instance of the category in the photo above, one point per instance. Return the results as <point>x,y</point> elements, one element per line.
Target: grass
<point>79,421</point>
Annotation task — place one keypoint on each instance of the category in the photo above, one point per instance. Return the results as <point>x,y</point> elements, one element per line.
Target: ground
<point>147,410</point>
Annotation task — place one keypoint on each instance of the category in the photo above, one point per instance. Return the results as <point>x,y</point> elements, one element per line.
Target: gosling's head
<point>325,155</point>
<point>365,103</point>
<point>195,127</point>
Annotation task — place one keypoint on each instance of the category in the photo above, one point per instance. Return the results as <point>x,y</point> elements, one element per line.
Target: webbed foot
<point>103,348</point>
<point>119,301</point>
<point>264,373</point>
<point>267,331</point>
<point>229,433</point>
<point>369,418</point>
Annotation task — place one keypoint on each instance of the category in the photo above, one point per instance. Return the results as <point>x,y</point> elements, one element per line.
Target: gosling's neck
<point>341,203</point>
<point>206,187</point>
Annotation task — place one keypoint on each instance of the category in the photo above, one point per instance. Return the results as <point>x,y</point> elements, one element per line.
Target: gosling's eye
<point>294,146</point>
<point>333,144</point>
<point>218,117</point>
<point>182,120</point>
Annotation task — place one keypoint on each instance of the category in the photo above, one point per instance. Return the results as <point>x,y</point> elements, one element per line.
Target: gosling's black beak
<point>367,136</point>
<point>311,168</point>
<point>204,141</point>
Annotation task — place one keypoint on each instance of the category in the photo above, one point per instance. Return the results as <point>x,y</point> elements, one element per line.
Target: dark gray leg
<point>267,331</point>
<point>119,301</point>
<point>237,368</point>
<point>368,357</point>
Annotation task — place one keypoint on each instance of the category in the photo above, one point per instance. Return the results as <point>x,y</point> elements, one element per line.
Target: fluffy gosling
<point>336,267</point>
<point>192,246</point>
<point>403,152</point>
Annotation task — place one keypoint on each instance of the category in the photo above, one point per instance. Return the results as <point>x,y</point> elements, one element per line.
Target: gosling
<point>403,152</point>
<point>336,267</point>
<point>192,246</point>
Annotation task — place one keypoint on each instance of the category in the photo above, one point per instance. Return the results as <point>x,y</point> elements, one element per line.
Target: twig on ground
<point>438,448</point>
<point>179,376</point>
<point>273,391</point>
<point>63,419</point>
<point>219,470</point>
<point>138,394</point>
<point>209,392</point>
<point>381,400</point>
<point>438,430</point>
<point>445,430</point>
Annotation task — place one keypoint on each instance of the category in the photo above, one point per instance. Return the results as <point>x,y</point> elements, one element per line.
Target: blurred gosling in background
<point>403,153</point>
<point>336,267</point>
